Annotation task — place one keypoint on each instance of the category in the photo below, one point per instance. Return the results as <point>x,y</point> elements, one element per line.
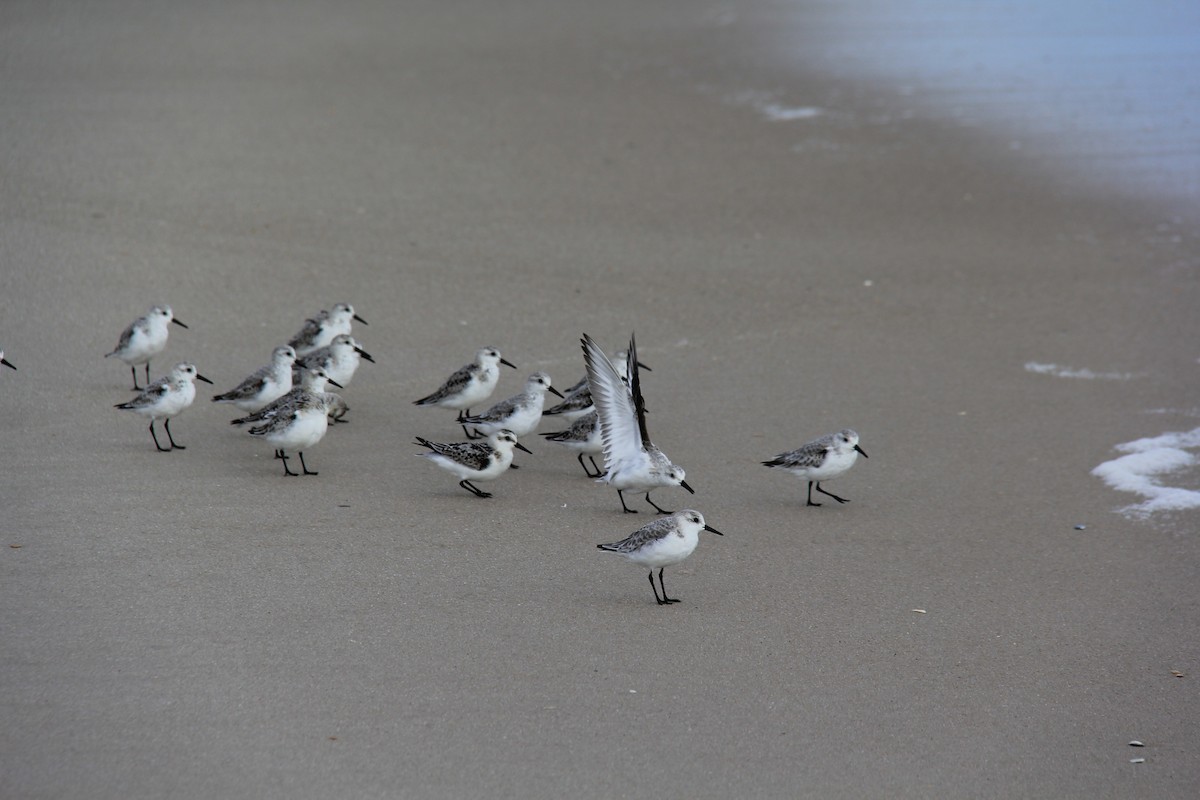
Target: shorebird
<point>662,543</point>
<point>321,329</point>
<point>631,460</point>
<point>265,385</point>
<point>474,461</point>
<point>821,460</point>
<point>309,394</point>
<point>469,385</point>
<point>165,398</point>
<point>145,338</point>
<point>520,413</point>
<point>340,359</point>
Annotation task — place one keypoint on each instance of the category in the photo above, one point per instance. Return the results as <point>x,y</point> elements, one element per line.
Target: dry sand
<point>196,625</point>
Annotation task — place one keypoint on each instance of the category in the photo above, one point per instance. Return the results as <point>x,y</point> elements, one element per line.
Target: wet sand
<point>193,624</point>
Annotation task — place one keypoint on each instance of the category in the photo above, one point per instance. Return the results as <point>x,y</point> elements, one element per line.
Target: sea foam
<point>1141,469</point>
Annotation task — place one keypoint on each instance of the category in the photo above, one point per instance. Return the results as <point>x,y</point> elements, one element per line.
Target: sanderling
<point>821,460</point>
<point>631,460</point>
<point>584,438</point>
<point>339,358</point>
<point>475,461</point>
<point>311,390</point>
<point>321,329</point>
<point>661,544</point>
<point>296,421</point>
<point>266,385</point>
<point>520,413</point>
<point>145,338</point>
<point>472,384</point>
<point>577,400</point>
<point>165,398</point>
<point>4,360</point>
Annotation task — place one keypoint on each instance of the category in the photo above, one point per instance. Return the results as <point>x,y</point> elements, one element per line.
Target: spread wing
<point>623,432</point>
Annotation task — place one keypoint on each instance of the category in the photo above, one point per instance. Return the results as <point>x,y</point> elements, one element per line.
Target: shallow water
<point>1106,91</point>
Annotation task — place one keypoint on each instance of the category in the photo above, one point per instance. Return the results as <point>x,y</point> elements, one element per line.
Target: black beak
<point>200,377</point>
<point>364,354</point>
<point>332,382</point>
<point>864,452</point>
<point>520,446</point>
<point>554,391</point>
<point>4,361</point>
<point>360,319</point>
<point>711,529</point>
<point>177,322</point>
<point>643,366</point>
<point>508,363</point>
<point>684,485</point>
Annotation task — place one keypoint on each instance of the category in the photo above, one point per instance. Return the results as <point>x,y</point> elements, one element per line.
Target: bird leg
<point>284,457</point>
<point>628,510</point>
<point>810,500</point>
<point>133,371</point>
<point>834,496</point>
<point>154,436</point>
<point>304,466</point>
<point>656,506</point>
<point>654,589</point>
<point>472,488</point>
<point>585,466</point>
<point>666,599</point>
<point>167,427</point>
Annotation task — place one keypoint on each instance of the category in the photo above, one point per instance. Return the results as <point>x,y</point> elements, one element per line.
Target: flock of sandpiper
<point>286,404</point>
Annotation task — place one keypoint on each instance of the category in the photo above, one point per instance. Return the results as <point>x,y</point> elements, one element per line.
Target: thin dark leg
<point>585,467</point>
<point>133,370</point>
<point>628,510</point>
<point>279,454</point>
<point>656,507</point>
<point>834,496</point>
<point>462,415</point>
<point>147,373</point>
<point>153,435</point>
<point>167,427</point>
<point>470,487</point>
<point>284,457</point>
<point>654,589</point>
<point>304,466</point>
<point>664,588</point>
<point>810,502</point>
<point>599,472</point>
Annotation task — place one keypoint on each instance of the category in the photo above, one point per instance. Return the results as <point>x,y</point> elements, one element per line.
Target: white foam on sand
<point>1069,372</point>
<point>1141,469</point>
